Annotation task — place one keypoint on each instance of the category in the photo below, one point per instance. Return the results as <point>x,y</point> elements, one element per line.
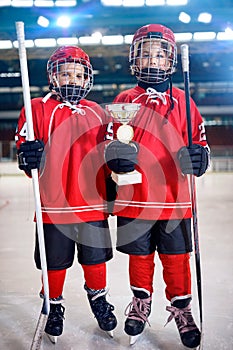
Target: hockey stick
<point>185,67</point>
<point>30,137</point>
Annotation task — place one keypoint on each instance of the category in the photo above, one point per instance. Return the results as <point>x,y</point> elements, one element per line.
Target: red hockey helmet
<point>150,34</point>
<point>67,54</point>
<point>62,56</point>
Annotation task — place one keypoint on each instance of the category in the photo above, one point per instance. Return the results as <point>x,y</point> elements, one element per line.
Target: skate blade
<point>133,339</point>
<point>52,338</point>
<point>110,333</point>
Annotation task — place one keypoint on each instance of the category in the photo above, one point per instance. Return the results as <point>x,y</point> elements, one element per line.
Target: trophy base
<point>134,177</point>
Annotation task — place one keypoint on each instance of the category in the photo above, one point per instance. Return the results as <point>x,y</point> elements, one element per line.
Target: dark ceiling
<point>210,61</point>
<point>90,16</point>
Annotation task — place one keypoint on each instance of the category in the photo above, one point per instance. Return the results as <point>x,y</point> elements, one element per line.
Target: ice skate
<point>137,313</point>
<point>102,310</point>
<point>181,312</point>
<point>54,325</point>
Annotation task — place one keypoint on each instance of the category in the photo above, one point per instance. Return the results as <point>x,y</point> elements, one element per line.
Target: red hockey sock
<point>141,271</point>
<point>95,276</point>
<point>176,274</point>
<point>56,280</point>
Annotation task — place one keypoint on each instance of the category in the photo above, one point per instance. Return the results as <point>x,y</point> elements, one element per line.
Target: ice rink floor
<point>20,281</point>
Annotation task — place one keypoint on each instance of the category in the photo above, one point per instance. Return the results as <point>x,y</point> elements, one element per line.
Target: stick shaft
<point>30,137</point>
<point>185,67</point>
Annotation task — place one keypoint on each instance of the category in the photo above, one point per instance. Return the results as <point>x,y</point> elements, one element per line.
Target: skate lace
<point>56,313</point>
<point>183,318</point>
<point>139,309</point>
<point>101,307</point>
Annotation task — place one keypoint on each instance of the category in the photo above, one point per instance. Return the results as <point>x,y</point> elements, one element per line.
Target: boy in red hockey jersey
<point>156,214</point>
<point>69,131</point>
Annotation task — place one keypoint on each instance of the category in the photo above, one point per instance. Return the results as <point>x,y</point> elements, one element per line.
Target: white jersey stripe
<point>73,209</point>
<point>153,205</point>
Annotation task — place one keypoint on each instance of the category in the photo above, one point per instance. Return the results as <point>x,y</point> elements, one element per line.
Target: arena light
<point>141,3</point>
<point>63,21</point>
<point>229,30</point>
<point>112,40</point>
<point>96,72</point>
<point>5,44</point>
<point>128,39</point>
<point>50,42</point>
<point>227,35</point>
<point>111,2</point>
<point>67,41</point>
<point>22,3</point>
<point>133,3</point>
<point>177,2</point>
<point>28,43</point>
<point>204,36</point>
<point>97,35</point>
<point>65,3</point>
<point>155,2</point>
<point>44,3</point>
<point>184,17</point>
<point>90,40</point>
<point>43,21</point>
<point>204,17</point>
<point>182,37</point>
<point>5,3</point>
<point>9,75</point>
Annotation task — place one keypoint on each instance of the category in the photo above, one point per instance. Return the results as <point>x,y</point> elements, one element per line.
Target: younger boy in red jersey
<point>69,134</point>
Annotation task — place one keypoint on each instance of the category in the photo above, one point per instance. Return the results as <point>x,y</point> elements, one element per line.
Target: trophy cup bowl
<point>123,113</point>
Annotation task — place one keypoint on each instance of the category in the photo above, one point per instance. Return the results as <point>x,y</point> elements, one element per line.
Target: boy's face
<point>152,54</point>
<point>71,73</point>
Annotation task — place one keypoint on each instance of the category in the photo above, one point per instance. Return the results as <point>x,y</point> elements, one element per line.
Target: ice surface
<point>20,281</point>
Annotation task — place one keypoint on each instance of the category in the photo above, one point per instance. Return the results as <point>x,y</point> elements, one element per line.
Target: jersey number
<point>109,132</point>
<point>23,131</point>
<point>202,132</point>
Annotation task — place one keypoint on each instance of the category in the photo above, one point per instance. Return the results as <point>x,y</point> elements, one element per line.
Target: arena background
<point>104,32</point>
<point>111,27</point>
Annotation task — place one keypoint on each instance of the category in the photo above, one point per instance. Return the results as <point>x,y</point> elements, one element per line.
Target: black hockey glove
<point>121,157</point>
<point>31,156</point>
<point>193,160</point>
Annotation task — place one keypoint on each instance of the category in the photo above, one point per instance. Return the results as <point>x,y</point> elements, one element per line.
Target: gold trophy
<point>124,113</point>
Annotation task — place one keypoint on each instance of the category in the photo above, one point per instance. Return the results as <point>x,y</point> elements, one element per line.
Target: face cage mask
<point>166,60</point>
<point>72,93</point>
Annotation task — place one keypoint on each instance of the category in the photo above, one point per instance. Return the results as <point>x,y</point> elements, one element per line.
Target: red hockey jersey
<point>72,183</point>
<point>160,133</point>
